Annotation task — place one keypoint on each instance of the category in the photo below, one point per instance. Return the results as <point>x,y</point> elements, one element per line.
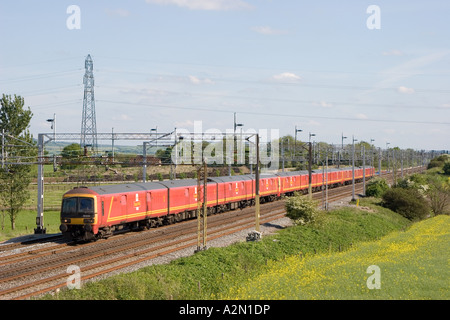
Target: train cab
<point>79,214</point>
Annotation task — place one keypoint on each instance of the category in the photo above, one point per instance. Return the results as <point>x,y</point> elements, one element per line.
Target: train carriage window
<point>69,205</point>
<point>77,205</point>
<point>86,205</point>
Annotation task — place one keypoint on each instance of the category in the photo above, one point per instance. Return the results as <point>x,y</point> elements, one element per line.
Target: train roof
<point>129,187</point>
<point>292,173</point>
<point>243,177</point>
<point>179,183</point>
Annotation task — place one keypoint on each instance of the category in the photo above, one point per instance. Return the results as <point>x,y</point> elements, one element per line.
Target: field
<point>327,260</point>
<point>409,265</point>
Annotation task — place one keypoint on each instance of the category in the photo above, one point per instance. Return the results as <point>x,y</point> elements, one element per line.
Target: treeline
<point>418,196</point>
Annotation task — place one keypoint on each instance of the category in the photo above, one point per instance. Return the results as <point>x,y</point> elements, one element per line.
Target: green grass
<point>219,271</point>
<point>26,223</point>
<point>412,265</point>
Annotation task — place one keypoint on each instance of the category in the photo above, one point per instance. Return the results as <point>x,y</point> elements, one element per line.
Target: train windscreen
<point>77,206</point>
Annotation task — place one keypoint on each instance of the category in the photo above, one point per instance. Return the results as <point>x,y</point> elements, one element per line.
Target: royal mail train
<point>98,212</point>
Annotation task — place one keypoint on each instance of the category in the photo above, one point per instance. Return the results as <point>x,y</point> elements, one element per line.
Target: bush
<point>376,188</point>
<point>415,181</point>
<point>446,168</point>
<point>407,202</point>
<point>439,195</point>
<point>301,209</point>
<point>438,162</point>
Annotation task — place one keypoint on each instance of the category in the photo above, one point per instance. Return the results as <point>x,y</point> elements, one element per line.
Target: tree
<point>439,196</point>
<point>438,162</point>
<point>407,202</point>
<point>70,153</point>
<point>164,155</point>
<point>18,153</point>
<point>301,209</point>
<point>376,187</point>
<point>446,168</point>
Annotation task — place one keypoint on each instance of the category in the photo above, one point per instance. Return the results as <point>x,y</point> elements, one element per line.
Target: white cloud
<point>406,90</point>
<point>209,5</point>
<point>268,30</point>
<point>118,12</point>
<point>389,131</point>
<point>122,117</point>
<point>195,80</point>
<point>286,76</point>
<point>362,116</point>
<point>314,123</point>
<point>323,104</point>
<point>406,70</point>
<point>394,52</point>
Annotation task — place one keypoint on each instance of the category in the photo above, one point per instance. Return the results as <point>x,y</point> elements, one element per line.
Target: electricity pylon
<point>88,122</point>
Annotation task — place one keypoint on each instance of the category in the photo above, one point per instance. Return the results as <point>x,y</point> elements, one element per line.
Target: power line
<point>316,103</point>
<point>52,105</point>
<point>277,114</point>
<point>276,69</point>
<point>273,82</point>
<point>41,76</point>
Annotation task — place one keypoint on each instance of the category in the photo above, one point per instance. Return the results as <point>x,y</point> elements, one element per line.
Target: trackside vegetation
<point>218,272</point>
<point>323,256</point>
<point>411,265</point>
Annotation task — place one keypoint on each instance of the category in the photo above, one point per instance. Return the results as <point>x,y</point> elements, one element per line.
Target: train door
<point>242,191</point>
<point>148,202</point>
<point>123,207</point>
<point>187,199</point>
<point>101,215</point>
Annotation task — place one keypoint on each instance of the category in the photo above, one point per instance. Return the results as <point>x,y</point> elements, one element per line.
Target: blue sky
<point>277,64</point>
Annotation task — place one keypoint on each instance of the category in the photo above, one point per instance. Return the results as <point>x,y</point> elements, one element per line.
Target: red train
<point>98,212</point>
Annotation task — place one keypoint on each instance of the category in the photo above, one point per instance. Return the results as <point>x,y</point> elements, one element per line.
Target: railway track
<point>30,270</point>
<point>43,270</point>
<point>29,242</point>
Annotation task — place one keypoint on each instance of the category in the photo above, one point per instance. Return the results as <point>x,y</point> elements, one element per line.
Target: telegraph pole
<point>257,207</point>
<point>364,170</point>
<point>310,171</point>
<point>202,206</point>
<point>353,168</point>
<point>40,184</point>
<point>295,146</point>
<point>144,165</point>
<point>379,161</point>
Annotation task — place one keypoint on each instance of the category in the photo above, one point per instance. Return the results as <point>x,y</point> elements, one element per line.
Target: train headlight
<point>65,220</point>
<point>90,220</point>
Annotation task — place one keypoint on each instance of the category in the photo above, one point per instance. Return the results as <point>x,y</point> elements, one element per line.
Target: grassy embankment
<point>325,260</point>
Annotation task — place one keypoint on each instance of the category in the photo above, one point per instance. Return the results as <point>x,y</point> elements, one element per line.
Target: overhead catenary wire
<point>276,114</point>
<point>272,82</point>
<point>312,102</point>
<point>40,76</point>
